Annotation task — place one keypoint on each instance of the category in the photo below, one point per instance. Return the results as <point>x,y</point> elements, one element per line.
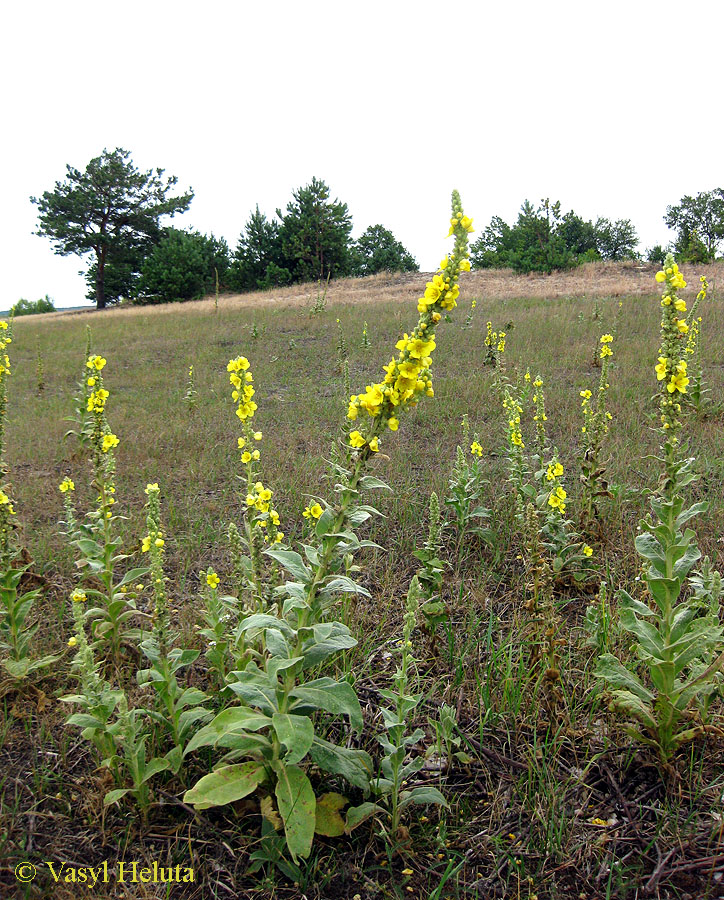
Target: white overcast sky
<point>612,108</point>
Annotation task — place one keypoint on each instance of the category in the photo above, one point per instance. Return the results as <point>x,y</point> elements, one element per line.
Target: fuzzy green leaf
<point>226,785</point>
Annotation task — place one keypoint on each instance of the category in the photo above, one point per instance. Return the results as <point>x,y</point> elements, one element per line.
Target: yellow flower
<point>393,424</point>
<point>159,542</point>
<point>606,338</point>
<point>66,485</point>
<point>587,551</point>
<point>476,449</point>
<point>356,439</point>
<point>680,305</point>
<point>146,544</point>
<point>78,596</point>
<point>279,538</point>
<point>246,456</point>
<point>606,351</point>
<point>241,443</point>
<point>73,642</point>
<point>660,277</point>
<point>678,382</point>
<point>257,435</point>
<point>661,368</point>
<point>212,579</point>
<point>313,512</point>
<point>375,444</point>
<point>255,454</point>
<point>152,488</point>
<point>109,441</point>
<point>91,381</point>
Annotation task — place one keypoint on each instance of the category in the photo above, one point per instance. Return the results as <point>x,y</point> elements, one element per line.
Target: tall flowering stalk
<point>261,525</point>
<point>594,429</point>
<point>178,709</point>
<point>99,548</point>
<point>274,729</point>
<point>680,644</point>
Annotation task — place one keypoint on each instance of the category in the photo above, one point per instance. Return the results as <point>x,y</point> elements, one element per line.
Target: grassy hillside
<point>553,801</point>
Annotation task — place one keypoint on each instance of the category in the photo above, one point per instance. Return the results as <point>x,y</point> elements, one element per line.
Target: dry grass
<point>595,279</point>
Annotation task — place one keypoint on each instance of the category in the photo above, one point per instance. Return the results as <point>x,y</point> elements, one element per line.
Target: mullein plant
<point>596,418</point>
<point>465,491</point>
<point>178,709</point>
<point>39,373</point>
<point>273,731</point>
<point>494,344</point>
<point>191,395</point>
<point>261,523</point>
<point>679,643</point>
<point>390,789</point>
<point>429,576</point>
<point>82,419</point>
<point>97,699</point>
<point>220,613</point>
<point>16,631</point>
<point>568,555</point>
<point>99,548</point>
<point>468,323</point>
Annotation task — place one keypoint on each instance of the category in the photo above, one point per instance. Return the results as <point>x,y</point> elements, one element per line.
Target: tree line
<point>112,213</point>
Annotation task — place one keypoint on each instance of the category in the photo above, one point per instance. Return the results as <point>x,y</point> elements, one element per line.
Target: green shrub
<point>31,307</point>
<point>181,267</point>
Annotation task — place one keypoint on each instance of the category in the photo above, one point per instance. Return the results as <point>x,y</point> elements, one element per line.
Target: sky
<point>612,108</point>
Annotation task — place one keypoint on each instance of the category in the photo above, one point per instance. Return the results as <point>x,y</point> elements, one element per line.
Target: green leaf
<point>616,674</point>
<point>327,638</point>
<point>369,483</point>
<point>297,806</point>
<point>114,796</point>
<point>296,733</point>
<point>332,696</point>
<point>226,785</point>
<point>328,821</point>
<point>630,703</point>
<point>424,794</point>
<point>355,766</point>
<point>234,720</point>
<point>356,815</point>
<point>292,562</point>
<point>156,765</point>
<point>343,584</point>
